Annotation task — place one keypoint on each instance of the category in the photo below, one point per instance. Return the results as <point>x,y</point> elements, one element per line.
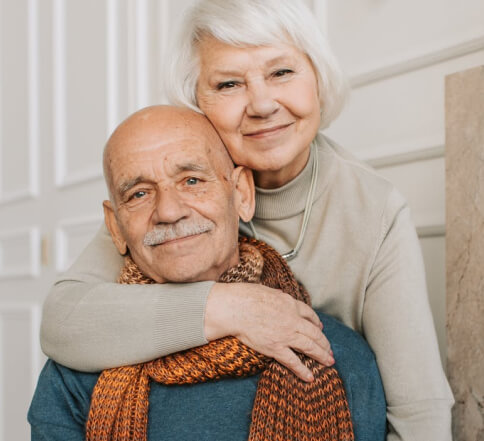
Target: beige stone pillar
<point>464,159</point>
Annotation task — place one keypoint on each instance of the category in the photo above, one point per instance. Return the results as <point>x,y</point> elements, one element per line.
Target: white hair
<point>245,23</point>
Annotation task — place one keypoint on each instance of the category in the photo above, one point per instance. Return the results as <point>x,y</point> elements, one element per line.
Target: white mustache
<point>165,233</point>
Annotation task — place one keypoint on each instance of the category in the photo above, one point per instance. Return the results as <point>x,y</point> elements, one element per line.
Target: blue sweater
<point>215,411</point>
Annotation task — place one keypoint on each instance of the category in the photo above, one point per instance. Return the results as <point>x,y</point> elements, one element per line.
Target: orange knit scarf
<point>285,407</point>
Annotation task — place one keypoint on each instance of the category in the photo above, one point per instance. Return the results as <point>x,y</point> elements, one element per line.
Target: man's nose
<point>170,206</point>
<point>261,100</point>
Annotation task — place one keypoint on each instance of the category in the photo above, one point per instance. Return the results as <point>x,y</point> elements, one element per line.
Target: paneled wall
<point>71,70</point>
<point>396,56</point>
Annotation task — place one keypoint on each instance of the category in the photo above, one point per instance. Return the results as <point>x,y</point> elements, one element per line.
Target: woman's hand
<point>268,321</point>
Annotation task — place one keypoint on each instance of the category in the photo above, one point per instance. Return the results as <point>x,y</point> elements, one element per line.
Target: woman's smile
<point>267,132</point>
<point>263,101</point>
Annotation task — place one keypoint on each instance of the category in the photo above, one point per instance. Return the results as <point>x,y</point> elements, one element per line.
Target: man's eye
<point>282,72</point>
<point>138,195</point>
<point>192,181</point>
<point>226,85</point>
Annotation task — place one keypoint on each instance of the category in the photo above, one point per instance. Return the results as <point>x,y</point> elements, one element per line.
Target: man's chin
<point>185,276</point>
<point>186,268</point>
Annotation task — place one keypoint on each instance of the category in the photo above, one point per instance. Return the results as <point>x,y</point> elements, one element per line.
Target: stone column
<point>464,159</point>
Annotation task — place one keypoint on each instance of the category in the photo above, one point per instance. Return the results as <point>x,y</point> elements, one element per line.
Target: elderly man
<point>175,203</point>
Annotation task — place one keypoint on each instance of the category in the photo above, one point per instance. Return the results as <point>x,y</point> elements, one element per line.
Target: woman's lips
<point>268,131</point>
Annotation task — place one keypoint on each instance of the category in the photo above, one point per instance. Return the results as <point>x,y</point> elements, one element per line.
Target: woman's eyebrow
<point>233,72</point>
<point>230,72</point>
<point>279,59</point>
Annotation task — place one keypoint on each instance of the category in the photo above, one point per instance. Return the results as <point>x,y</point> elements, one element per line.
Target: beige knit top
<point>360,261</point>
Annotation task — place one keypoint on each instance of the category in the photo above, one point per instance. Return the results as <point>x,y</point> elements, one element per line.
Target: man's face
<point>175,201</point>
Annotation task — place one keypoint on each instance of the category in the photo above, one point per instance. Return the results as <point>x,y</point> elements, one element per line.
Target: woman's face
<point>263,101</point>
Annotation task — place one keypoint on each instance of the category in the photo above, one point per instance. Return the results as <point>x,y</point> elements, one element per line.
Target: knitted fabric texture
<point>285,407</point>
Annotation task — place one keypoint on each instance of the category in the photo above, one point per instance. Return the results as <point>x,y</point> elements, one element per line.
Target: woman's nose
<point>261,102</point>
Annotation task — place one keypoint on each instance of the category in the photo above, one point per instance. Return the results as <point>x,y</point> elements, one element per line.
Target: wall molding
<point>87,174</point>
<point>36,352</point>
<point>143,44</point>
<point>112,52</point>
<point>416,155</point>
<point>33,315</point>
<point>32,190</point>
<point>59,99</point>
<point>427,231</point>
<point>419,61</point>
<point>67,178</point>
<point>17,196</point>
<point>164,32</point>
<point>34,94</point>
<point>29,269</point>
<point>65,230</point>
<point>139,44</point>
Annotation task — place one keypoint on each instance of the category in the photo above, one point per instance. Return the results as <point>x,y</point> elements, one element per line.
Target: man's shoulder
<point>58,379</point>
<point>345,342</point>
<point>61,399</point>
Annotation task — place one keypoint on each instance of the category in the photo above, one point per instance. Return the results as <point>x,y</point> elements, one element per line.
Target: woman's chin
<point>278,171</point>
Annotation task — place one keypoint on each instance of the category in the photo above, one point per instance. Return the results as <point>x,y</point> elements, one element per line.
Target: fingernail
<point>309,377</point>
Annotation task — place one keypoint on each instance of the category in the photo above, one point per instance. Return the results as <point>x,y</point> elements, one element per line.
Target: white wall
<point>70,70</point>
<point>396,55</point>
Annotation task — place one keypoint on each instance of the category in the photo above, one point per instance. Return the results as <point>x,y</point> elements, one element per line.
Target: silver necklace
<point>307,210</point>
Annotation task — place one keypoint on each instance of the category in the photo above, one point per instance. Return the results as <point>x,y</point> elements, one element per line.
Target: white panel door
<point>70,71</point>
<point>21,278</point>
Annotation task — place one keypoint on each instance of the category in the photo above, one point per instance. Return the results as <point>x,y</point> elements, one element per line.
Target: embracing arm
<point>91,323</point>
<point>398,325</point>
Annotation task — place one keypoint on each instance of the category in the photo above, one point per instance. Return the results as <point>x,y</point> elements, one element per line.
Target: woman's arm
<point>91,323</point>
<point>398,325</point>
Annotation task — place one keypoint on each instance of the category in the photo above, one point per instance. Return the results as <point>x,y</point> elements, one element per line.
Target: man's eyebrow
<point>127,185</point>
<point>191,166</point>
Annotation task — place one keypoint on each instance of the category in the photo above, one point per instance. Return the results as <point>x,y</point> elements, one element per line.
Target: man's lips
<point>267,131</point>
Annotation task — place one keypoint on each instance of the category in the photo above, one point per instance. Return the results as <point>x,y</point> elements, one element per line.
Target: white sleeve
<point>91,323</point>
<point>398,325</point>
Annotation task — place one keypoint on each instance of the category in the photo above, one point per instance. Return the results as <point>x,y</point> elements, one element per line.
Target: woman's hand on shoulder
<point>268,321</point>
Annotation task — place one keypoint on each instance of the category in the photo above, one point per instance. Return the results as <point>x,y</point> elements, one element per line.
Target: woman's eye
<point>226,85</point>
<point>192,181</point>
<point>282,72</point>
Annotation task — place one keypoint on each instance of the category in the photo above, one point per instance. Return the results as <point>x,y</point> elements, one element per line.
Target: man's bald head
<point>156,123</point>
<point>176,197</point>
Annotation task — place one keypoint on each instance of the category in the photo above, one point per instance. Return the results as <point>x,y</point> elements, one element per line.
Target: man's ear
<point>244,192</point>
<point>113,227</point>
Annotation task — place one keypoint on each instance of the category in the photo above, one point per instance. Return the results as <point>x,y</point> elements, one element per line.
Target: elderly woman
<point>263,74</point>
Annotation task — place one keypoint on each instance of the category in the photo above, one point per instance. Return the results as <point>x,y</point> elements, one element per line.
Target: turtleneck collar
<point>290,199</point>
